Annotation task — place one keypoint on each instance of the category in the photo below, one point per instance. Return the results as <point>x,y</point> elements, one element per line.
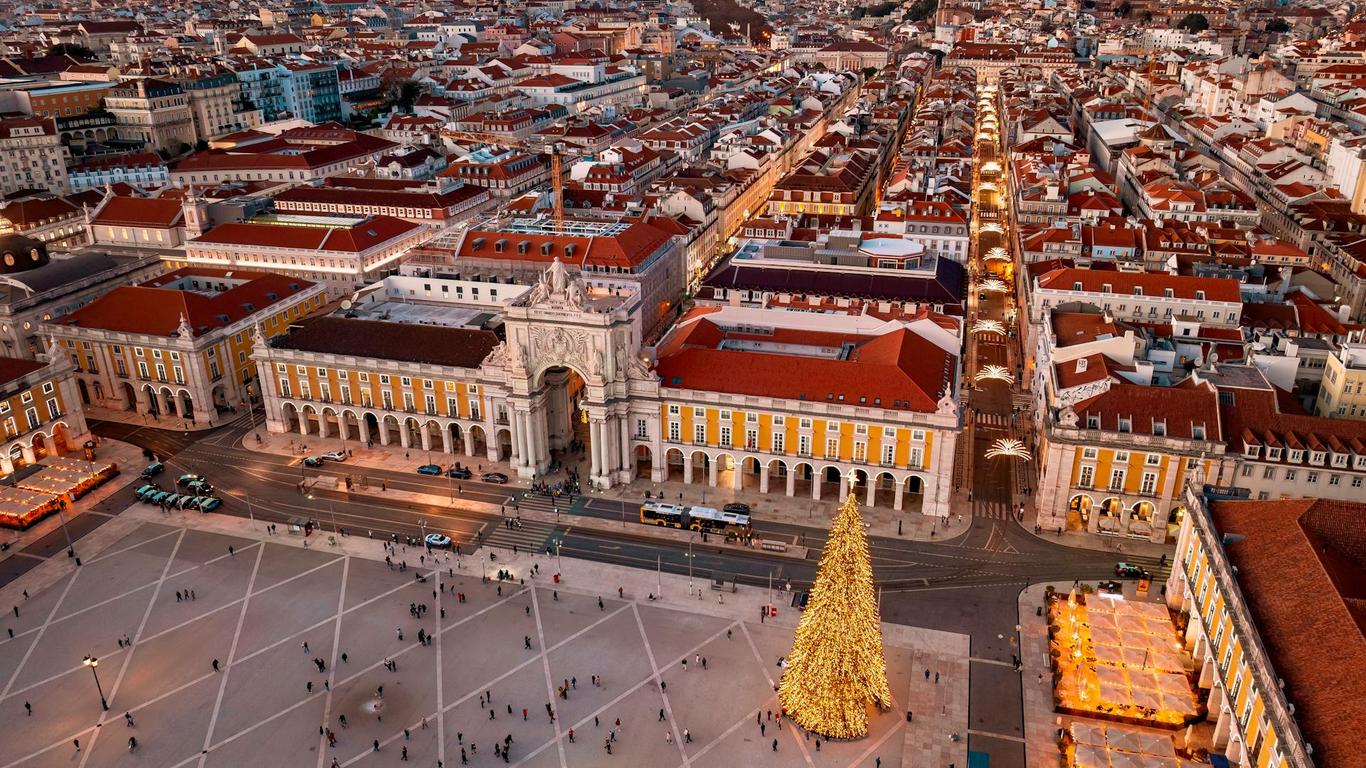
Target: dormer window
<point>1159,427</point>
<point>1252,451</point>
<point>1076,286</point>
<point>1138,290</point>
<point>1198,431</point>
<point>1125,425</point>
<point>1106,288</point>
<point>1092,421</point>
<point>1297,455</point>
<point>1316,457</point>
<point>1273,453</point>
<point>1199,295</point>
<point>1339,459</point>
<point>1358,461</point>
<point>1167,292</point>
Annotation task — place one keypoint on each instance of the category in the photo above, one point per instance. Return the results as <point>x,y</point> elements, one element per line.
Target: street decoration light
<point>1008,448</point>
<point>988,326</point>
<point>998,254</point>
<point>997,372</point>
<point>993,285</point>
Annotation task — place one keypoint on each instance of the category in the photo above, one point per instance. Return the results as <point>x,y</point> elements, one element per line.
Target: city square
<point>254,607</point>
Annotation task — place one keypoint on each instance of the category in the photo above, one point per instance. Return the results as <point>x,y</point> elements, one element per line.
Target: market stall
<point>1120,659</point>
<point>1100,745</point>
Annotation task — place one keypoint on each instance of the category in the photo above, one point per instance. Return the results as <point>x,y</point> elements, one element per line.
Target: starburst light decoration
<point>998,254</point>
<point>988,326</point>
<point>837,672</point>
<point>993,285</point>
<point>997,372</point>
<point>1008,448</point>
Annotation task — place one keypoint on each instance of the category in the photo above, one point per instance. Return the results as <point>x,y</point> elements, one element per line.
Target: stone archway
<point>644,461</point>
<point>674,462</point>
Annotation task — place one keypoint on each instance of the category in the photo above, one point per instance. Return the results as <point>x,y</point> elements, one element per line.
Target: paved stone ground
<point>253,610</point>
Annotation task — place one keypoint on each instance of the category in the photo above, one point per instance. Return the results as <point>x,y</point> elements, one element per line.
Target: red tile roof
<point>896,370</point>
<point>368,233</point>
<point>154,310</point>
<point>156,212</point>
<point>1302,571</point>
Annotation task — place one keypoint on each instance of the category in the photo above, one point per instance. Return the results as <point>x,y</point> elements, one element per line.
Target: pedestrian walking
<point>775,745</point>
<point>668,736</point>
<point>77,742</point>
<point>215,665</point>
<point>571,735</point>
<point>309,686</point>
<point>687,736</point>
<point>304,645</point>
<point>177,596</point>
<point>192,597</point>
<point>661,715</point>
<point>406,735</point>
<point>28,708</point>
<point>404,755</point>
<point>232,551</point>
<point>600,608</point>
<point>936,678</point>
<point>762,727</point>
<point>132,743</point>
<point>342,719</point>
<point>128,719</point>
<point>376,745</point>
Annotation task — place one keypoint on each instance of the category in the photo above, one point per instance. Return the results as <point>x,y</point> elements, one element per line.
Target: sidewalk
<point>1119,545</point>
<point>772,507</point>
<point>96,413</point>
<point>1036,679</point>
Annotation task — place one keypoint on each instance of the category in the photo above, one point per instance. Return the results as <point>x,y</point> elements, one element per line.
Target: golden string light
<point>836,671</point>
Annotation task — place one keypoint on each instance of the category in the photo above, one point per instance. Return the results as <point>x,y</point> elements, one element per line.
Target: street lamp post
<point>92,662</point>
<point>70,548</point>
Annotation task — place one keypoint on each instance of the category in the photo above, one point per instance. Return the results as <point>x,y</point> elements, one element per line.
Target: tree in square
<point>836,671</point>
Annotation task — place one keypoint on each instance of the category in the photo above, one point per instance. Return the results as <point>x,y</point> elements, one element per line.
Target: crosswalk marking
<point>992,510</point>
<point>530,536</point>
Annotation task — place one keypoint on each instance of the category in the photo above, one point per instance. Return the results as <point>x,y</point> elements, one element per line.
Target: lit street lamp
<point>92,662</point>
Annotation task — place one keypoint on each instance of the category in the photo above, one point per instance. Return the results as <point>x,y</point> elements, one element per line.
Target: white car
<point>334,456</point>
<point>438,540</point>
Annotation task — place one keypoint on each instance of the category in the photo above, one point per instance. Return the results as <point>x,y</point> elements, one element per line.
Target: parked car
<point>429,469</point>
<point>158,497</point>
<point>171,500</point>
<point>208,503</point>
<point>185,480</point>
<point>438,540</point>
<point>199,488</point>
<point>153,469</point>
<point>1131,571</point>
<point>186,502</point>
<point>313,461</point>
<point>494,477</point>
<point>144,491</point>
<point>334,456</point>
<point>460,473</point>
<point>1111,588</point>
<point>737,507</point>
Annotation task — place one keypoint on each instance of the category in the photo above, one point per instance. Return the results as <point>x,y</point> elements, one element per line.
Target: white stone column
<point>899,495</point>
<point>844,488</point>
<point>322,425</point>
<point>687,469</point>
<point>763,478</point>
<point>713,469</point>
<point>425,435</point>
<point>383,432</point>
<point>595,448</point>
<point>816,484</point>
<point>519,438</point>
<point>737,474</point>
<point>446,446</point>
<point>791,482</point>
<point>364,428</point>
<point>303,422</point>
<point>467,440</point>
<point>628,466</point>
<point>405,435</point>
<point>872,490</point>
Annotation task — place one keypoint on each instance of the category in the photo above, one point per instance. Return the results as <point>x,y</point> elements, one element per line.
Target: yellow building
<point>738,397</point>
<point>179,345</point>
<point>1344,377</point>
<point>39,410</point>
<point>1279,653</point>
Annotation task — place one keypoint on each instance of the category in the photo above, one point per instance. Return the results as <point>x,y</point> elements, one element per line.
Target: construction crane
<point>557,182</point>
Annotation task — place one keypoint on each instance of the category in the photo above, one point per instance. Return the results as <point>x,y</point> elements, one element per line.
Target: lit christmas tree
<point>836,670</point>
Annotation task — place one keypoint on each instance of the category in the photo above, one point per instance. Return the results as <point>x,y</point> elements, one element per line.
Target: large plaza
<point>254,606</point>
